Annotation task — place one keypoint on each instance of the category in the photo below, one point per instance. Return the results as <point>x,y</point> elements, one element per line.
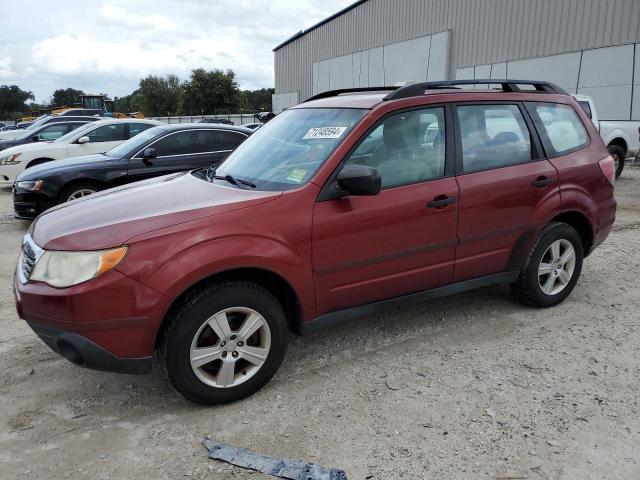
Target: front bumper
<point>84,353</point>
<point>28,205</point>
<point>107,323</point>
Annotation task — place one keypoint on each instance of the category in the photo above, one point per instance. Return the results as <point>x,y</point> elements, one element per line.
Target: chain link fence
<point>235,118</point>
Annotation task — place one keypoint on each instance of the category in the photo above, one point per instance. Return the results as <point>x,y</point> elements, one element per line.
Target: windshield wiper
<point>211,175</point>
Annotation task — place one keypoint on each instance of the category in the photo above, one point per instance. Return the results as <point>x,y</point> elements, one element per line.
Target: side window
<point>174,144</point>
<point>228,140</point>
<point>559,126</point>
<point>136,128</point>
<point>405,148</point>
<point>55,131</point>
<point>108,133</point>
<point>493,136</point>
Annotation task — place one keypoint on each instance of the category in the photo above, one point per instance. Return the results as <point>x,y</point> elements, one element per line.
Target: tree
<point>159,96</point>
<point>66,97</point>
<point>13,101</point>
<point>206,92</point>
<point>257,100</point>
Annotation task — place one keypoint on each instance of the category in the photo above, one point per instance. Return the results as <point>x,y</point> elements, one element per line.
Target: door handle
<point>441,201</point>
<point>542,182</point>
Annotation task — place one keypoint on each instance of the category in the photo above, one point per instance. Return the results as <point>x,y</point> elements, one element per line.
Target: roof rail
<point>508,85</point>
<point>335,93</point>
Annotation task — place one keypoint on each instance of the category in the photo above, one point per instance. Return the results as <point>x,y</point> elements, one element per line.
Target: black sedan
<point>46,132</point>
<point>154,152</point>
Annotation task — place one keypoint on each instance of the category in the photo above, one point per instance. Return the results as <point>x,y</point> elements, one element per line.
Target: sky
<point>107,46</point>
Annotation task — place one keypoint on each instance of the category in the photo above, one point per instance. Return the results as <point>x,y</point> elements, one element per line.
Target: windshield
<point>38,122</point>
<point>134,144</point>
<point>73,133</point>
<point>286,152</point>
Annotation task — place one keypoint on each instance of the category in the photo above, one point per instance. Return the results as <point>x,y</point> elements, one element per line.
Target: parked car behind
<point>44,120</point>
<point>157,151</point>
<point>44,133</point>
<point>622,137</point>
<point>92,137</point>
<point>223,121</point>
<point>300,228</point>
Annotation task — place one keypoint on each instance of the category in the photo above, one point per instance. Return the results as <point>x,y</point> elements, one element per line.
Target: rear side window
<point>492,136</point>
<point>108,133</point>
<point>136,128</point>
<point>560,128</point>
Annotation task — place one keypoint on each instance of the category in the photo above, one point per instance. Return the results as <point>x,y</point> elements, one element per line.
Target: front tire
<point>618,158</point>
<point>78,190</point>
<point>224,342</point>
<point>552,268</point>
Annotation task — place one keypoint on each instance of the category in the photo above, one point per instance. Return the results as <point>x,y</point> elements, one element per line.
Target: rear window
<point>560,128</point>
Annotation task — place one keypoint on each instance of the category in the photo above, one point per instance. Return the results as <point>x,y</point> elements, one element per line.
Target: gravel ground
<point>468,387</point>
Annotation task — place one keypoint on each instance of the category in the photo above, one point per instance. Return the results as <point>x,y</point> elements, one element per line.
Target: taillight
<point>608,167</point>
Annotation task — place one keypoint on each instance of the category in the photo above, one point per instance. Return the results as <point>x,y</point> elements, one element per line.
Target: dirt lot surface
<point>468,387</point>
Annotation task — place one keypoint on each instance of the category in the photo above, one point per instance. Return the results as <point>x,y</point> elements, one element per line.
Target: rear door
<point>504,180</point>
<point>185,150</point>
<point>397,242</point>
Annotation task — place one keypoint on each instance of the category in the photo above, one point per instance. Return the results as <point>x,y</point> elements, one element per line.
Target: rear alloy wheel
<point>75,192</point>
<point>223,342</point>
<point>618,158</point>
<point>556,267</point>
<point>552,268</point>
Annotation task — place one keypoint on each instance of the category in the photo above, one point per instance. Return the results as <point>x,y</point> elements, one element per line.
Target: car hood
<point>11,134</point>
<point>111,218</point>
<point>44,169</point>
<point>4,144</point>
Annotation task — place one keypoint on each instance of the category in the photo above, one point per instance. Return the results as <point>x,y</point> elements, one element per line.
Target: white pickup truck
<point>622,137</point>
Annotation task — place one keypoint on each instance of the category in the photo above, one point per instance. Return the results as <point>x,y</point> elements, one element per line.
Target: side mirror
<point>359,180</point>
<point>148,154</point>
<point>84,139</point>
<point>36,138</point>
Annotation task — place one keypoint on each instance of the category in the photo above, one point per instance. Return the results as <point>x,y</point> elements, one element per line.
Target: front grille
<point>31,252</point>
<point>28,260</point>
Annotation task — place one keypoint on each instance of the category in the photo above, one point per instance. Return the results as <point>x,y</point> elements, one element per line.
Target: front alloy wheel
<point>230,347</point>
<point>223,341</point>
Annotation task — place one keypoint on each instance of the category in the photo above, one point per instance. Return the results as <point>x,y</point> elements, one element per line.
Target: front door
<point>400,241</point>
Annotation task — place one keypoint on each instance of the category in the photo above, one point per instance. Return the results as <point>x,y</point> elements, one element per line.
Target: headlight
<point>33,185</point>
<point>10,159</point>
<point>64,269</point>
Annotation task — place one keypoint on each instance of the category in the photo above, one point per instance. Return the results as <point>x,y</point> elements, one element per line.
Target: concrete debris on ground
<point>278,467</point>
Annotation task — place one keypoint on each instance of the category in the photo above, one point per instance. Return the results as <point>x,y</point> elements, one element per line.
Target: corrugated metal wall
<point>483,31</point>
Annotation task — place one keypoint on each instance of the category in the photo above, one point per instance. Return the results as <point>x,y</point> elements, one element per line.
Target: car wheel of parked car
<point>77,191</point>
<point>223,342</point>
<point>552,268</point>
<point>618,158</point>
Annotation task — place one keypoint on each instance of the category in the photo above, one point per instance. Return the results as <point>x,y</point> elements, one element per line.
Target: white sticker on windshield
<point>324,132</point>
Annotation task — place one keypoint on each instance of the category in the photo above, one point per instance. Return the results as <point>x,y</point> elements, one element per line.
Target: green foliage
<point>66,97</point>
<point>13,101</point>
<point>208,92</point>
<point>160,96</point>
<point>205,92</point>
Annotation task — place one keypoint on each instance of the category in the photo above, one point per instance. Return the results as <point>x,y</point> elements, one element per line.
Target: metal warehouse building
<point>585,46</point>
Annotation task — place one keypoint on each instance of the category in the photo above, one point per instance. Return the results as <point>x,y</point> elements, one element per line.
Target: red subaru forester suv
<point>353,201</point>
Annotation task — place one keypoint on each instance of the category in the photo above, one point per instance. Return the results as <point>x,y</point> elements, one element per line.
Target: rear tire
<point>552,268</point>
<point>78,190</point>
<point>618,157</point>
<point>223,342</point>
